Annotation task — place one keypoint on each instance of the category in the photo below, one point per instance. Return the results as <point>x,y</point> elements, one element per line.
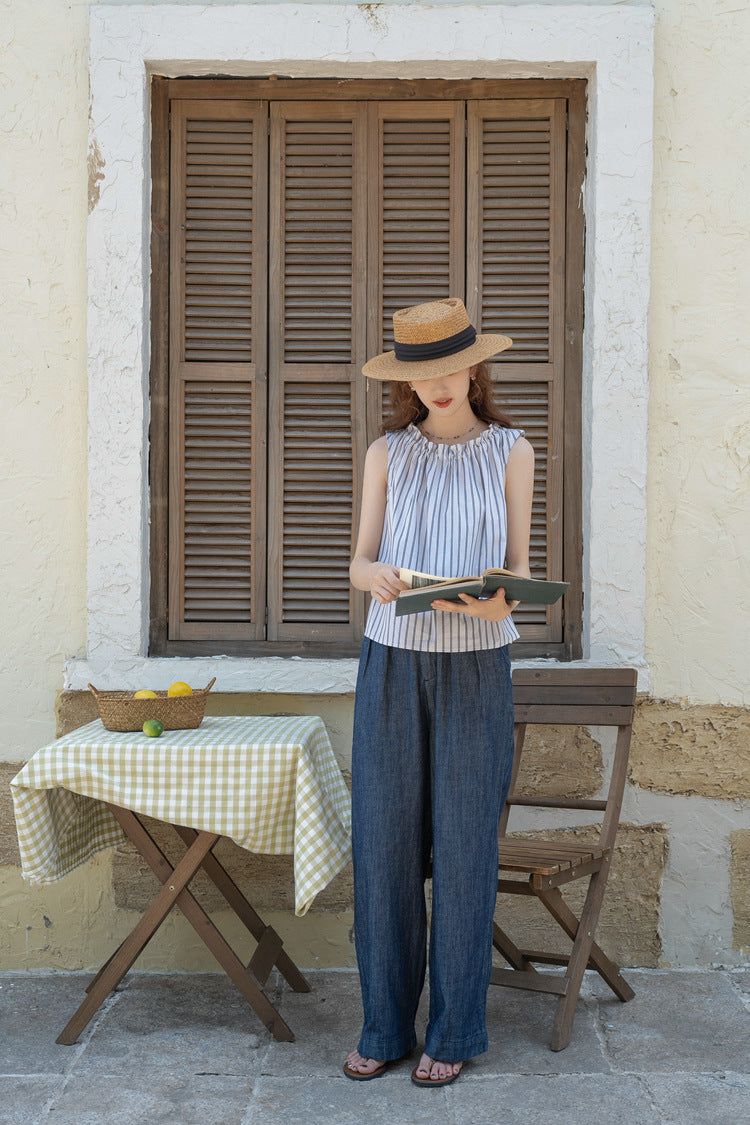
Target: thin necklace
<point>454,437</point>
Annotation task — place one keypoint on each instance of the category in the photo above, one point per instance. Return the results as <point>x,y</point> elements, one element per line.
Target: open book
<point>424,588</point>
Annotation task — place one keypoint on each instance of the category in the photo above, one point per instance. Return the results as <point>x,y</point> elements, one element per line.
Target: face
<point>445,395</point>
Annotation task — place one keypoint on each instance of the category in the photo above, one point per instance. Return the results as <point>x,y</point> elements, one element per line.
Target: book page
<point>415,579</point>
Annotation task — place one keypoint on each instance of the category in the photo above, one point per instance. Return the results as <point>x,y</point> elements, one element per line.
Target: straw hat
<point>433,339</point>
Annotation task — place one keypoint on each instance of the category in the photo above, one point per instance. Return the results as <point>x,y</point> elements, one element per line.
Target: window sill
<point>274,675</point>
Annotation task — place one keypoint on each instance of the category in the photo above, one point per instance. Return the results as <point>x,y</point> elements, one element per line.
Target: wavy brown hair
<point>406,406</point>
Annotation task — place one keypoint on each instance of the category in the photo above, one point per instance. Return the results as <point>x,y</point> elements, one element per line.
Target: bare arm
<point>365,572</point>
<point>519,492</point>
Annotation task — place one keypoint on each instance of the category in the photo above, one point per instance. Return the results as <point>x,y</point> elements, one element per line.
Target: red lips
<point>443,402</point>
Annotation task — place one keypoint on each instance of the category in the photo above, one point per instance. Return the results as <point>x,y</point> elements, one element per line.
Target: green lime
<point>153,728</point>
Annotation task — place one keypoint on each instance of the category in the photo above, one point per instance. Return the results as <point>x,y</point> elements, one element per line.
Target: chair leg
<point>510,950</point>
<point>607,969</point>
<point>579,958</point>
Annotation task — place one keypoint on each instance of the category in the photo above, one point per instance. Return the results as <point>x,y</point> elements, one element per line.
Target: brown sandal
<point>434,1082</point>
<point>357,1077</point>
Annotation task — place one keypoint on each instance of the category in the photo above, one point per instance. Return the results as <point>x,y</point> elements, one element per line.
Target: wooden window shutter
<point>516,197</point>
<point>317,347</point>
<point>291,219</point>
<point>217,412</point>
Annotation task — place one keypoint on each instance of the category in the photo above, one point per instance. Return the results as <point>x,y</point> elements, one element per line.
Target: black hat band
<point>436,349</point>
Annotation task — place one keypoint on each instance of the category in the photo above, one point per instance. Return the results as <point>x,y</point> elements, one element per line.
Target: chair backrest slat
<point>573,677</point>
<point>618,695</point>
<point>567,688</point>
<point>558,803</point>
<point>573,714</point>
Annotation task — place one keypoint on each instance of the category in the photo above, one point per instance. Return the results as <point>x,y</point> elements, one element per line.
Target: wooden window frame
<point>163,91</point>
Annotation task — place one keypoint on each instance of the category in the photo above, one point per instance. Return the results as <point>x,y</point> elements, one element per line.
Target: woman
<point>447,491</point>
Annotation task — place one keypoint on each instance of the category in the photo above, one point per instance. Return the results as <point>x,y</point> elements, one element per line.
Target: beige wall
<point>699,440</point>
<point>43,54</point>
<point>699,451</point>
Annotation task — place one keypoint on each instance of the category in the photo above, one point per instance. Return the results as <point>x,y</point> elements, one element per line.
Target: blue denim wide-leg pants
<point>431,765</point>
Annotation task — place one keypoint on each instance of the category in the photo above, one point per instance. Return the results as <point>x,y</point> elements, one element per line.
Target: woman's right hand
<point>385,584</point>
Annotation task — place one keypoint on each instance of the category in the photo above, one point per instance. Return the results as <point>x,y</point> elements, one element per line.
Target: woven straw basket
<point>119,711</point>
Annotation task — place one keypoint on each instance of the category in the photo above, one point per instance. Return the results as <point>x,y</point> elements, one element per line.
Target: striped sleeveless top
<point>445,514</point>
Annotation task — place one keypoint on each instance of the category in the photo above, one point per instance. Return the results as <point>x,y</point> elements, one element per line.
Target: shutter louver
<point>420,212</point>
<point>217,356</point>
<point>218,240</point>
<point>516,285</point>
<point>317,295</point>
<point>516,233</point>
<point>218,502</point>
<point>318,492</point>
<point>318,161</point>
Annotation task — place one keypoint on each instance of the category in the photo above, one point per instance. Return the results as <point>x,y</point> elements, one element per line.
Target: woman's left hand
<point>494,608</point>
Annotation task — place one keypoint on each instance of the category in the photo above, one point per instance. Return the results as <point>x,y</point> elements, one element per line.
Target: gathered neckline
<point>441,447</point>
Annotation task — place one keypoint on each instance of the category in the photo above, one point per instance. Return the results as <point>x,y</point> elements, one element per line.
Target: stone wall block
<point>560,761</point>
<point>628,928</point>
<point>74,709</point>
<point>8,837</point>
<point>739,882</point>
<point>687,749</point>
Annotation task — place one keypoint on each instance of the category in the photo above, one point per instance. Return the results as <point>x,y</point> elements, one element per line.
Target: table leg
<point>93,980</point>
<point>199,920</point>
<point>140,935</point>
<point>247,914</point>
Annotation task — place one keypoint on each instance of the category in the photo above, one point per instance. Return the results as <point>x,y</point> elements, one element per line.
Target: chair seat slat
<point>538,853</point>
<point>533,867</point>
<point>545,847</point>
<point>540,857</point>
<point>513,855</point>
<point>549,857</point>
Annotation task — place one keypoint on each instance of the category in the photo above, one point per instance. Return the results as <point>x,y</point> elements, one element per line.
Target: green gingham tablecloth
<point>272,784</point>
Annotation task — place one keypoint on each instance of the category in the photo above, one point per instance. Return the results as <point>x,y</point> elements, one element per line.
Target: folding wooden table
<point>272,784</point>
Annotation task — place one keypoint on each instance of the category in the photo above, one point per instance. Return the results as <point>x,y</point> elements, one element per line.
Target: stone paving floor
<point>185,1049</point>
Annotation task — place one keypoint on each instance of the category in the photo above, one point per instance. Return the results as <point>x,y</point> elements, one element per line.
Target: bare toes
<point>362,1065</point>
<point>425,1064</point>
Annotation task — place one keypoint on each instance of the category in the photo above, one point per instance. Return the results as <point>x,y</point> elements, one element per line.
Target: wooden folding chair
<point>585,697</point>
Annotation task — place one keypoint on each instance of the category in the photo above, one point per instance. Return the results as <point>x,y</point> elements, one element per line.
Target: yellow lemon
<point>145,693</point>
<point>153,728</point>
<point>179,687</point>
